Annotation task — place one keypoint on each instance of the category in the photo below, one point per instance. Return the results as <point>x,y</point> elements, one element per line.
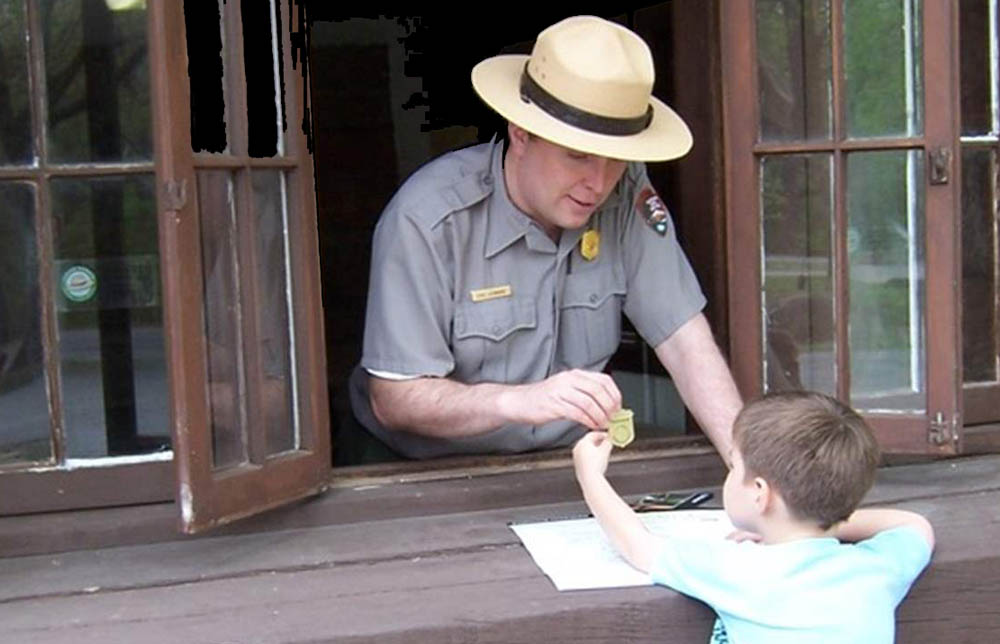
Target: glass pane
<point>273,318</point>
<point>226,387</point>
<point>885,246</point>
<point>797,276</point>
<point>15,115</point>
<point>882,68</point>
<point>794,69</point>
<point>979,265</point>
<point>203,27</point>
<point>97,81</point>
<point>261,54</point>
<point>646,386</point>
<point>111,345</point>
<point>977,95</point>
<point>24,408</point>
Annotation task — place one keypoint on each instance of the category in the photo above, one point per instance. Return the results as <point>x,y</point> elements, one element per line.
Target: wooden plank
<point>361,500</point>
<point>53,489</point>
<point>484,594</point>
<point>452,577</point>
<point>939,490</point>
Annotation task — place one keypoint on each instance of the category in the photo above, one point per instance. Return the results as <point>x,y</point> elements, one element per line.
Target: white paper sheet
<point>576,555</point>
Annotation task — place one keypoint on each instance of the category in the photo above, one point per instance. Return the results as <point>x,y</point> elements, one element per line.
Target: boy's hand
<point>591,453</point>
<point>739,536</point>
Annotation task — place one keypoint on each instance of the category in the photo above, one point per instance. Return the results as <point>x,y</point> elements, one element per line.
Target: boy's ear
<point>763,499</point>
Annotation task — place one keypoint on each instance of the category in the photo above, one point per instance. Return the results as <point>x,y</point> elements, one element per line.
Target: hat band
<point>532,92</point>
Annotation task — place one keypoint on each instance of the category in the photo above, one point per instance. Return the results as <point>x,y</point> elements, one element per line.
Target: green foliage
<point>875,67</point>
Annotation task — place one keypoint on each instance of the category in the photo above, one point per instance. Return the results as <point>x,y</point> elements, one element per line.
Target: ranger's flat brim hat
<point>587,86</point>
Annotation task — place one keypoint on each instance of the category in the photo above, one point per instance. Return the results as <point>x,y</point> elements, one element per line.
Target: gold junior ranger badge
<point>620,429</point>
<point>653,212</point>
<point>590,244</point>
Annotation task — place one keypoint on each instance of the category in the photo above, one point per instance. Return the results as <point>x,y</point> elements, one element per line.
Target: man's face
<point>557,187</point>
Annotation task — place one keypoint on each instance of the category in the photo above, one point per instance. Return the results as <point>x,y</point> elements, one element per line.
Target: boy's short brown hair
<point>817,452</point>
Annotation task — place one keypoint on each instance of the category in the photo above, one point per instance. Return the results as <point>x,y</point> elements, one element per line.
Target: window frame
<point>56,484</point>
<point>939,430</point>
<point>208,497</point>
<point>981,400</point>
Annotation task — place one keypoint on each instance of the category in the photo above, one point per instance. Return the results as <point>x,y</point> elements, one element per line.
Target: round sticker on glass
<point>79,284</point>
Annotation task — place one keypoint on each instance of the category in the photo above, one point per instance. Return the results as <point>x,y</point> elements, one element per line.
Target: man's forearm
<point>703,380</point>
<point>448,409</point>
<point>441,407</point>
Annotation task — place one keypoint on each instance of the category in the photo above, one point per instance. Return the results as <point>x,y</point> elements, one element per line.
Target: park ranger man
<point>500,272</point>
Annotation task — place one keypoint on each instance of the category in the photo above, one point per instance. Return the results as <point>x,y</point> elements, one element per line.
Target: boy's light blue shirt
<point>811,590</point>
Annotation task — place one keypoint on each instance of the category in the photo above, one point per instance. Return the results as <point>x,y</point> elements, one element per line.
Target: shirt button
<point>593,298</point>
<point>488,180</point>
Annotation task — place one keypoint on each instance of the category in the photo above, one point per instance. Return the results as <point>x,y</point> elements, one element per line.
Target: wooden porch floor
<point>297,577</point>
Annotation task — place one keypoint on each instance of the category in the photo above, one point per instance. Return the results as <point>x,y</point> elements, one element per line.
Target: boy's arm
<point>620,523</point>
<point>866,523</point>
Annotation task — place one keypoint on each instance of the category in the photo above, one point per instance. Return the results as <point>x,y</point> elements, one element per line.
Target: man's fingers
<point>580,407</point>
<point>589,407</point>
<point>584,397</point>
<point>595,394</point>
<point>601,387</point>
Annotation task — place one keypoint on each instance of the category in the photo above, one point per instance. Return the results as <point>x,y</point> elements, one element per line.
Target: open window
<point>394,93</point>
<point>164,252</point>
<point>238,232</point>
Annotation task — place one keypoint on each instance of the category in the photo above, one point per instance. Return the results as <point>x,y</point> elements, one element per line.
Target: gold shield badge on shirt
<point>590,244</point>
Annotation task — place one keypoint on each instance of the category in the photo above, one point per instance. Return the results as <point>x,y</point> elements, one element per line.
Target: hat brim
<point>497,81</point>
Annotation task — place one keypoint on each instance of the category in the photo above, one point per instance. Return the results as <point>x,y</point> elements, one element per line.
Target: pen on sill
<point>694,500</point>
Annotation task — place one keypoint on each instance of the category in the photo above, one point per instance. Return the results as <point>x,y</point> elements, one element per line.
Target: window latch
<point>174,194</point>
<point>942,431</point>
<point>940,163</point>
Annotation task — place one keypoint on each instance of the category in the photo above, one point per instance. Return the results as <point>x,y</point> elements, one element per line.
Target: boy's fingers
<point>739,536</point>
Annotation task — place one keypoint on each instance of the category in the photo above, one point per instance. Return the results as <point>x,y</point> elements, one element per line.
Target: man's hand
<point>590,455</point>
<point>585,397</point>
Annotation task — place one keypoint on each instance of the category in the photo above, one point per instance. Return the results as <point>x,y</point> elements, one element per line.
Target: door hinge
<point>174,194</point>
<point>942,431</point>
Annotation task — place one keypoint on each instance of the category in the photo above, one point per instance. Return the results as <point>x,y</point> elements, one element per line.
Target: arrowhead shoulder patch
<point>653,211</point>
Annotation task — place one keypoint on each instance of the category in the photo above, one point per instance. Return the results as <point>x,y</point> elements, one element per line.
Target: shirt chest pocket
<point>590,318</point>
<point>491,337</point>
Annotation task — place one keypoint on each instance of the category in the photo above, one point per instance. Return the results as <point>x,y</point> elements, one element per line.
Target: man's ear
<point>518,136</point>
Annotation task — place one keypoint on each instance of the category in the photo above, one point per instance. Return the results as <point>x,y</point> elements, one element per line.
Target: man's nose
<point>598,170</point>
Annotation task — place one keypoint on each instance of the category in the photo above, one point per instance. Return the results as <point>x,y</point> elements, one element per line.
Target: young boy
<point>801,463</point>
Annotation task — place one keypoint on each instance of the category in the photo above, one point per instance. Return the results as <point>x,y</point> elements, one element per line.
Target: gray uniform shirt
<point>466,286</point>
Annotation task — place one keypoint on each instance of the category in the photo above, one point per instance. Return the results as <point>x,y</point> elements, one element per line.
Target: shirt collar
<point>506,223</point>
